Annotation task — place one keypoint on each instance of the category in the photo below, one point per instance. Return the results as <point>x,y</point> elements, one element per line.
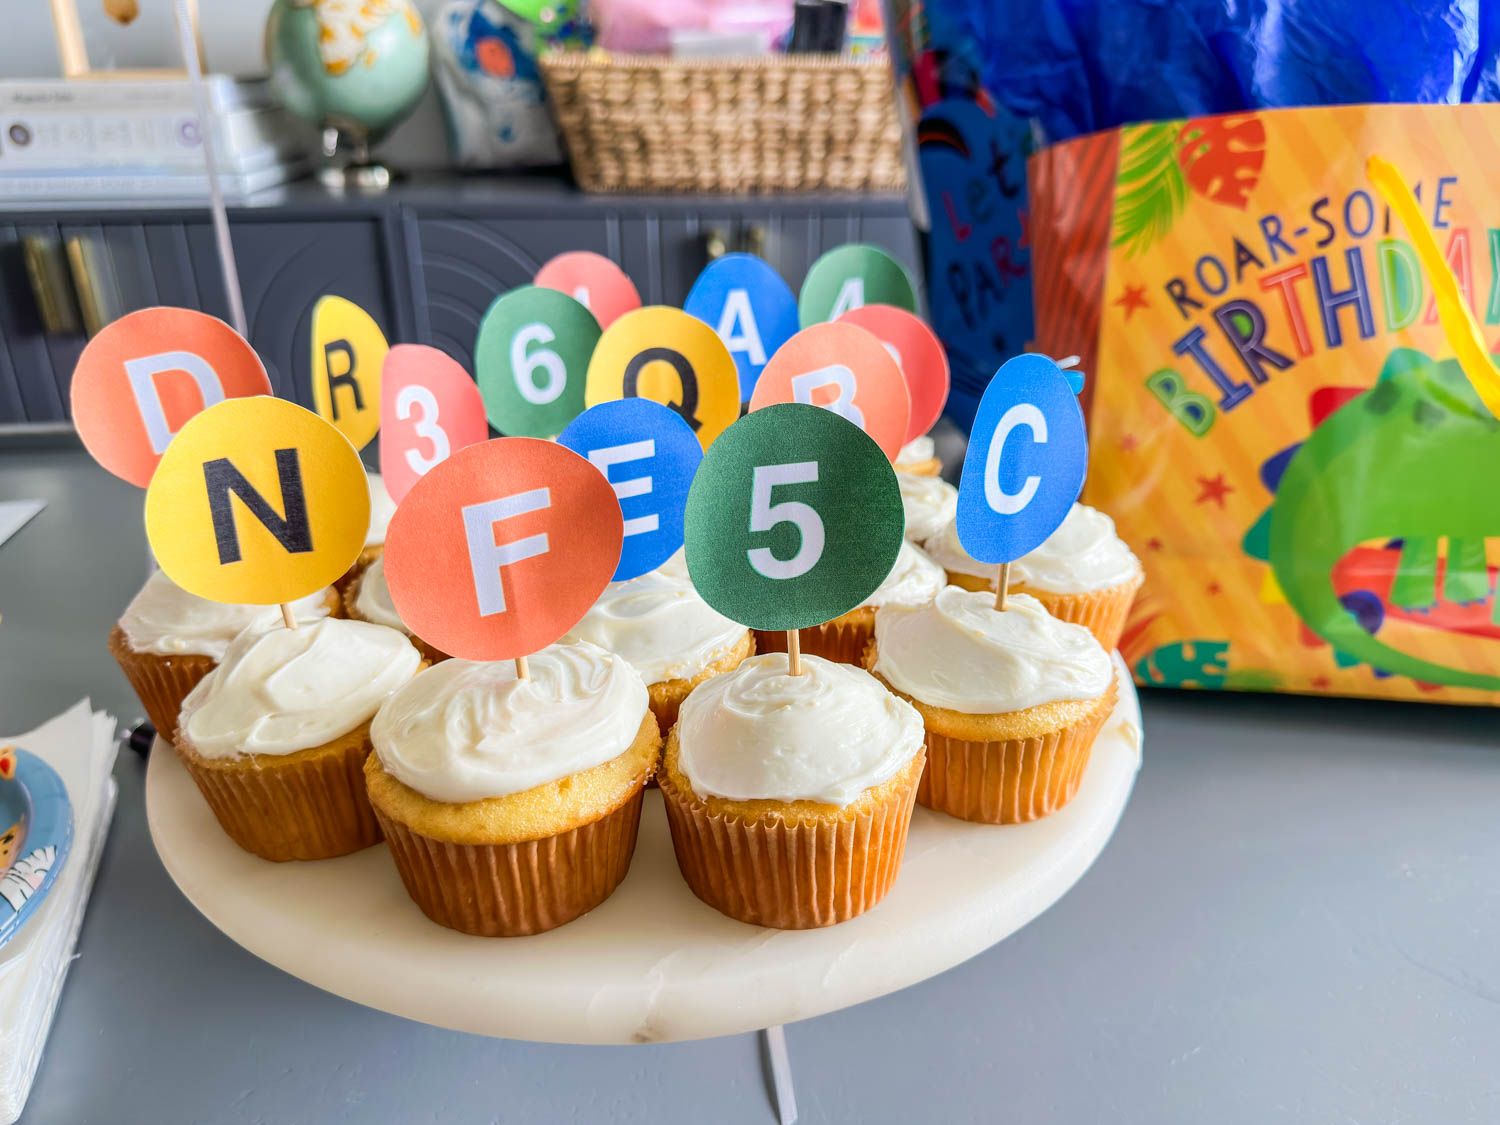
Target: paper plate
<point>36,834</point>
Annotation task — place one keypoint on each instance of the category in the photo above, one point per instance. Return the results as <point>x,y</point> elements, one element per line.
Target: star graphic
<point>1153,544</point>
<point>1133,298</point>
<point>1213,488</point>
<point>1214,589</point>
<point>1128,443</point>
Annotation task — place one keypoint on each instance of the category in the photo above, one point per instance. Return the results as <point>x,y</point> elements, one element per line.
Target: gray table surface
<point>1297,920</point>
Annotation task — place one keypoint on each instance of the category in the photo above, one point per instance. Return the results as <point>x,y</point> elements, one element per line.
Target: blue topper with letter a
<point>752,309</point>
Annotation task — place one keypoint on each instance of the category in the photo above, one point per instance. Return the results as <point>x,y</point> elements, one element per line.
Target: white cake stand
<point>651,964</point>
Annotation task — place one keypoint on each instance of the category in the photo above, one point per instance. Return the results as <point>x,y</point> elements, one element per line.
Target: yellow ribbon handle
<point>1459,325</point>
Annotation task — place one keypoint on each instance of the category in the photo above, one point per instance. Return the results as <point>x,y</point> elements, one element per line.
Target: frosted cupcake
<point>382,508</point>
<point>168,639</point>
<point>919,456</point>
<point>369,599</point>
<point>913,580</point>
<point>276,736</point>
<point>1011,700</point>
<point>511,806</point>
<point>929,502</point>
<point>667,632</point>
<point>1084,573</point>
<point>789,797</point>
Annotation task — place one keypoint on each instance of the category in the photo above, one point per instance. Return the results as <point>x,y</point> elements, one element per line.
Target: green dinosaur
<point>1413,458</point>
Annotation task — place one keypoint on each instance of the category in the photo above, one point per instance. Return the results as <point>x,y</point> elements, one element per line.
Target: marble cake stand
<point>652,963</point>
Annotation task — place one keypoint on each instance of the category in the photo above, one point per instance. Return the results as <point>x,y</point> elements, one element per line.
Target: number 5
<point>524,367</point>
<point>414,397</point>
<point>765,515</point>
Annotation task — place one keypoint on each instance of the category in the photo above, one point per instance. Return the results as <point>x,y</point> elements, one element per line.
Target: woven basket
<point>775,124</point>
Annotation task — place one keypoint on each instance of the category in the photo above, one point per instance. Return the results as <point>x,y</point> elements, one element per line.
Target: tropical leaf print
<point>1221,157</point>
<point>1150,190</point>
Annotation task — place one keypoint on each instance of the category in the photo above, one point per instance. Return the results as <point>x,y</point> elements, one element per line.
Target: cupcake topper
<point>649,455</point>
<point>794,518</point>
<point>257,500</point>
<point>919,355</point>
<point>502,548</point>
<point>845,369</point>
<point>594,282</point>
<point>531,358</point>
<point>672,358</point>
<point>752,309</point>
<point>143,376</point>
<point>348,352</point>
<point>1027,456</point>
<point>429,407</point>
<point>850,276</point>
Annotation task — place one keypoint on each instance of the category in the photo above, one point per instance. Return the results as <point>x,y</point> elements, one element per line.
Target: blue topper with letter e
<point>752,309</point>
<point>649,454</point>
<point>1028,454</point>
<point>36,833</point>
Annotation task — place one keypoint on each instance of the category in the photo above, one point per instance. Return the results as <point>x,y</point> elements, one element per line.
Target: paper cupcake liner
<point>1011,781</point>
<point>838,640</point>
<point>161,683</point>
<point>308,805</point>
<point>789,876</point>
<point>510,890</point>
<point>931,467</point>
<point>1101,612</point>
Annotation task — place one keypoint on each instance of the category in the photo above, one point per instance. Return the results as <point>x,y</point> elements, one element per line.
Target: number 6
<point>524,367</point>
<point>765,515</point>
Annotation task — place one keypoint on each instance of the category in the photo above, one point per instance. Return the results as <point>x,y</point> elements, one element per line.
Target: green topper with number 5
<point>794,518</point>
<point>531,359</point>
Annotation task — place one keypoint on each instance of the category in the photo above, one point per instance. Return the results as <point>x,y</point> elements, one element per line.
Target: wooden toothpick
<point>1002,585</point>
<point>794,652</point>
<point>288,618</point>
<point>523,670</point>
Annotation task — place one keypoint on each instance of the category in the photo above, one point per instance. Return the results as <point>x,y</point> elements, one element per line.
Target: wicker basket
<point>774,124</point>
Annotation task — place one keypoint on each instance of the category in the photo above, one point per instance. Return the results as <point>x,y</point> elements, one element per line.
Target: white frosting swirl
<point>166,620</point>
<point>1083,554</point>
<point>760,733</point>
<point>930,502</point>
<point>281,690</point>
<point>916,451</point>
<point>914,579</point>
<point>465,730</point>
<point>382,508</point>
<point>660,624</point>
<point>372,598</point>
<point>960,653</point>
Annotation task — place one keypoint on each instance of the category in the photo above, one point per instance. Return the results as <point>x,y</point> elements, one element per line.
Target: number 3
<point>425,428</point>
<point>524,367</point>
<point>765,515</point>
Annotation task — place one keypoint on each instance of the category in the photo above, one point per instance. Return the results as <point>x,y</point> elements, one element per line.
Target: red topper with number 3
<point>917,351</point>
<point>842,368</point>
<point>502,548</point>
<point>429,409</point>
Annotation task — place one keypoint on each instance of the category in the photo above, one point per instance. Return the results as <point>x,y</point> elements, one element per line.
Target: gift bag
<point>1278,423</point>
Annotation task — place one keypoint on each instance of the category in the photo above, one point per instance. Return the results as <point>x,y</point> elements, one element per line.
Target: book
<point>225,93</point>
<point>115,185</point>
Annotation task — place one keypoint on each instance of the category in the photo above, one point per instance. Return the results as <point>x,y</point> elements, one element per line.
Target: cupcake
<point>168,639</point>
<point>511,806</point>
<point>913,580</point>
<point>1011,700</point>
<point>1083,573</point>
<point>929,502</point>
<point>919,457</point>
<point>667,633</point>
<point>276,736</point>
<point>382,508</point>
<point>789,796</point>
<point>369,599</point>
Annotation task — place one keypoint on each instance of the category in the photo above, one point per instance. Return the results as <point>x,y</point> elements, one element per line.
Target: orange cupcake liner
<point>1011,781</point>
<point>161,683</point>
<point>510,890</point>
<point>838,640</point>
<point>789,876</point>
<point>308,805</point>
<point>1101,612</point>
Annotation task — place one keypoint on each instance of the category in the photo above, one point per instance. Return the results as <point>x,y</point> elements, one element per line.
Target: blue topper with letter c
<point>752,309</point>
<point>1028,453</point>
<point>649,455</point>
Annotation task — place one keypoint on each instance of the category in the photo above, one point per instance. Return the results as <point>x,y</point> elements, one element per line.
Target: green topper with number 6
<point>531,359</point>
<point>794,518</point>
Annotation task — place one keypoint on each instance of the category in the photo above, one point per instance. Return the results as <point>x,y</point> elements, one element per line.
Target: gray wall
<point>232,33</point>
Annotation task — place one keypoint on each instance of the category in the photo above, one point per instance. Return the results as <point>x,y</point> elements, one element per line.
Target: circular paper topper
<point>143,376</point>
<point>794,518</point>
<point>348,352</point>
<point>752,309</point>
<point>1028,453</point>
<point>848,277</point>
<point>257,500</point>
<point>649,455</point>
<point>502,548</point>
<point>532,357</point>
<point>672,358</point>
<point>428,408</point>
<point>917,352</point>
<point>594,282</point>
<point>845,369</point>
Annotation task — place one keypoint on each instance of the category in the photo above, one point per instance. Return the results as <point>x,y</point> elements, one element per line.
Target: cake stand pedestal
<point>652,964</point>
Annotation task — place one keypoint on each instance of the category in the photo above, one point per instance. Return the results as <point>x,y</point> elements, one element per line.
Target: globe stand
<point>361,173</point>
